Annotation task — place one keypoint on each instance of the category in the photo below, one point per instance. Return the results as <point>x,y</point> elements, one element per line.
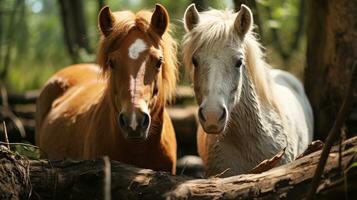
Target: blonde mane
<point>216,28</point>
<point>124,22</point>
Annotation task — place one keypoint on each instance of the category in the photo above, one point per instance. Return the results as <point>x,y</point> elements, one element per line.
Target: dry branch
<point>25,98</point>
<point>84,180</point>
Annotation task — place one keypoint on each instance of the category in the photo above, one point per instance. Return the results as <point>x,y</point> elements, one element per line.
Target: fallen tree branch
<point>183,93</point>
<point>25,98</point>
<point>84,180</point>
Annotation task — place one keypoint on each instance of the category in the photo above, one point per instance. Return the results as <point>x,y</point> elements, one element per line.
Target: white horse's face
<point>218,72</point>
<point>217,84</point>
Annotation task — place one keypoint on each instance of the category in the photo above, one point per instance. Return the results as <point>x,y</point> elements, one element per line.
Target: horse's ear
<point>159,20</point>
<point>191,17</point>
<point>244,21</point>
<point>105,21</point>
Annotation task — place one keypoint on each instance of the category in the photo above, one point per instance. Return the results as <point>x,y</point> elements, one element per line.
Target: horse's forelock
<point>124,22</point>
<point>213,29</point>
<point>216,28</point>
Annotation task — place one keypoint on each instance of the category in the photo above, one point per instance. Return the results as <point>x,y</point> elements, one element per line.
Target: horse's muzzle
<point>136,126</point>
<point>213,121</point>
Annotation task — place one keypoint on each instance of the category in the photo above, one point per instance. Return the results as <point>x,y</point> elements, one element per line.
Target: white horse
<point>248,112</point>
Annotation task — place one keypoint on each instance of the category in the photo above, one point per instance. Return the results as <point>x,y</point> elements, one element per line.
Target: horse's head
<point>133,57</point>
<point>214,47</point>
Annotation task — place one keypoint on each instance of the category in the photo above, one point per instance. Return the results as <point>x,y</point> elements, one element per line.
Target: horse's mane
<point>216,28</point>
<point>124,22</point>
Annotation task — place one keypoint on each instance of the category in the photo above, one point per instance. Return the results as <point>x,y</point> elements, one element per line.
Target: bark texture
<point>331,54</point>
<point>84,180</point>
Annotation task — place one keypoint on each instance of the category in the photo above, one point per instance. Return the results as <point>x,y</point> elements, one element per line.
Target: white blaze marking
<point>133,123</point>
<point>135,84</point>
<point>136,48</point>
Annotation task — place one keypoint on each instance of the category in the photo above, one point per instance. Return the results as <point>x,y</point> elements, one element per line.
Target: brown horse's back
<point>118,111</point>
<point>60,107</point>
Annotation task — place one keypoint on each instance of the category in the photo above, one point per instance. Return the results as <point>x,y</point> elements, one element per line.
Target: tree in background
<point>331,53</point>
<point>74,27</point>
<point>16,16</point>
<point>278,40</point>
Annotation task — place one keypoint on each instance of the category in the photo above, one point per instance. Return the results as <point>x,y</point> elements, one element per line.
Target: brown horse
<point>118,108</point>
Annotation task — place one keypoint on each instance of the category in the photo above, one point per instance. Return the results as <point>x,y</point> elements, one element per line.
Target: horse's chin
<point>213,130</point>
<point>136,136</point>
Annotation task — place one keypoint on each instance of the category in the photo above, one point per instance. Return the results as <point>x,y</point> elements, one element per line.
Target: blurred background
<point>315,40</point>
<point>38,37</point>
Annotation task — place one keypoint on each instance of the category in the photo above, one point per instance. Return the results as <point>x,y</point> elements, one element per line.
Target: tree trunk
<point>10,37</point>
<point>79,23</point>
<point>331,53</point>
<point>74,27</point>
<point>67,30</point>
<point>300,26</point>
<point>84,180</point>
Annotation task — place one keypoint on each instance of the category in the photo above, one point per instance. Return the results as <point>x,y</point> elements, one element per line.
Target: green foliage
<point>27,150</point>
<point>39,49</point>
<point>284,14</point>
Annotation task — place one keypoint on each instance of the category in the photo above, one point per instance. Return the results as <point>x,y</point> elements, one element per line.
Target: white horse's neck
<point>253,118</point>
<point>254,133</point>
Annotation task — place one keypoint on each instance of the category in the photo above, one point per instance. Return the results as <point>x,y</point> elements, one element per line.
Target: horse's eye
<point>110,64</point>
<point>158,63</point>
<point>239,63</point>
<point>194,62</point>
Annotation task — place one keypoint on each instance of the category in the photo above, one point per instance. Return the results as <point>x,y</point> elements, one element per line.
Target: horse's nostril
<point>200,114</point>
<point>145,121</point>
<point>223,116</point>
<point>122,121</point>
